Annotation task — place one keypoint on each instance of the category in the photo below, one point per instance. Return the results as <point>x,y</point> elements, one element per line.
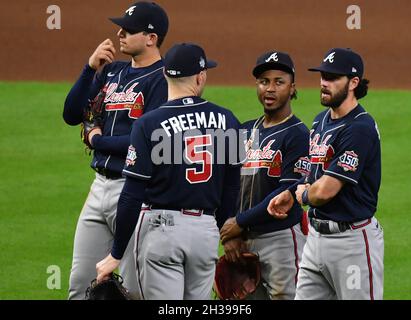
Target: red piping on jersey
<point>138,236</point>
<point>367,250</point>
<point>196,213</point>
<point>295,254</point>
<point>353,226</point>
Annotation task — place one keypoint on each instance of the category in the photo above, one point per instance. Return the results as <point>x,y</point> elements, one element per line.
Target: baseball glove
<point>111,289</point>
<point>236,280</point>
<point>93,117</point>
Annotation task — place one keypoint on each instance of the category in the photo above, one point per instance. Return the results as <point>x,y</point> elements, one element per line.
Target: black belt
<point>329,226</point>
<point>189,212</point>
<point>109,174</point>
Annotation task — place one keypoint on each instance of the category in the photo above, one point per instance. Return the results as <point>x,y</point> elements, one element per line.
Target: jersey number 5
<point>203,157</point>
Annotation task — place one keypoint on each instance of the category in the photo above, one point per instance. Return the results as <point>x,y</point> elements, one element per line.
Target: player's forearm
<point>258,214</point>
<point>315,199</point>
<point>78,96</point>
<point>116,145</point>
<point>322,191</point>
<point>128,211</point>
<point>230,193</point>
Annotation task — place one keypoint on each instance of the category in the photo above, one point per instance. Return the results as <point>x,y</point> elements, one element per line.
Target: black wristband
<point>304,198</point>
<point>293,195</point>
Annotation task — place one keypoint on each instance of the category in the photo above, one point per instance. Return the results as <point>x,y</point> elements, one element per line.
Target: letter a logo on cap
<point>273,57</point>
<point>130,10</point>
<point>330,57</point>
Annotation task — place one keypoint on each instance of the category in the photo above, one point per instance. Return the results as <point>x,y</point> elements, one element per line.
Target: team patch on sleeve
<point>303,166</point>
<point>348,161</point>
<point>131,156</point>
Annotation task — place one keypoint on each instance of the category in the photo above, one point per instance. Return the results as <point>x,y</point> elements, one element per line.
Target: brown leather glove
<point>110,289</point>
<point>93,117</point>
<point>236,280</point>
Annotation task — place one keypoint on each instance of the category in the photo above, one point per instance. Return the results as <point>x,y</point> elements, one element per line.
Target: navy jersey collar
<point>184,102</point>
<point>349,116</point>
<point>154,66</point>
<point>276,127</point>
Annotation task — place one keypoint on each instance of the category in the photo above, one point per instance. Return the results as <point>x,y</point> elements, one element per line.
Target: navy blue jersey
<point>347,149</point>
<point>178,148</point>
<point>131,92</point>
<point>278,156</point>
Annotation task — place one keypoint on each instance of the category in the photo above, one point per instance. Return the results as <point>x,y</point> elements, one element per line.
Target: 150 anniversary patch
<point>348,161</point>
<point>131,156</point>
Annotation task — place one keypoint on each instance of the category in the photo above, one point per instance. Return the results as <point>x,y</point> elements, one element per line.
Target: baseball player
<point>188,196</point>
<point>343,256</point>
<point>277,150</point>
<point>131,89</point>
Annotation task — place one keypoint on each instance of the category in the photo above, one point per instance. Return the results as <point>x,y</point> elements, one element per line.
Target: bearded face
<point>334,89</point>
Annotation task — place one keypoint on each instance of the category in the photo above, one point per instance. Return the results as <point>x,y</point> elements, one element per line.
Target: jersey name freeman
<point>195,120</point>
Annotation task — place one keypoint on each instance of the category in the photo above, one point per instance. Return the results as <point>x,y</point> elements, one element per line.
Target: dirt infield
<point>233,32</point>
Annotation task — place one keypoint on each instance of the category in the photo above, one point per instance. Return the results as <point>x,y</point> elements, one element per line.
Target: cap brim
<point>122,23</point>
<point>211,64</point>
<point>327,70</point>
<point>258,70</point>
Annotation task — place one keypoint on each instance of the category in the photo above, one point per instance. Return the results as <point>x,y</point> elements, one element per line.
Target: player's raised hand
<point>104,53</point>
<point>230,230</point>
<point>105,267</point>
<point>280,205</point>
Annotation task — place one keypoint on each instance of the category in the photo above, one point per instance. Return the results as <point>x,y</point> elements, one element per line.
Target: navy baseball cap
<point>341,61</point>
<point>144,16</point>
<point>274,60</point>
<point>186,59</point>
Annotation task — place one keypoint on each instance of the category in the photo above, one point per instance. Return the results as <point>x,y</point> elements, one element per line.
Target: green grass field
<point>45,177</point>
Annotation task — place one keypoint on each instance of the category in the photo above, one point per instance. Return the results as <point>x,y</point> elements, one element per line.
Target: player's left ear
<point>152,40</point>
<point>292,90</point>
<point>354,82</point>
<point>201,78</point>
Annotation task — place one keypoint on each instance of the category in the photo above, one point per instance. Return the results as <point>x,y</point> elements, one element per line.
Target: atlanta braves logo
<point>130,10</point>
<point>330,58</point>
<point>265,154</point>
<point>272,58</point>
<point>265,158</point>
<point>321,153</point>
<point>134,101</point>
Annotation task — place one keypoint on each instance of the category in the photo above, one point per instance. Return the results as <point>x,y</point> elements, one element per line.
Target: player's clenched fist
<point>234,248</point>
<point>105,267</point>
<point>299,192</point>
<point>104,53</point>
<point>280,205</point>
